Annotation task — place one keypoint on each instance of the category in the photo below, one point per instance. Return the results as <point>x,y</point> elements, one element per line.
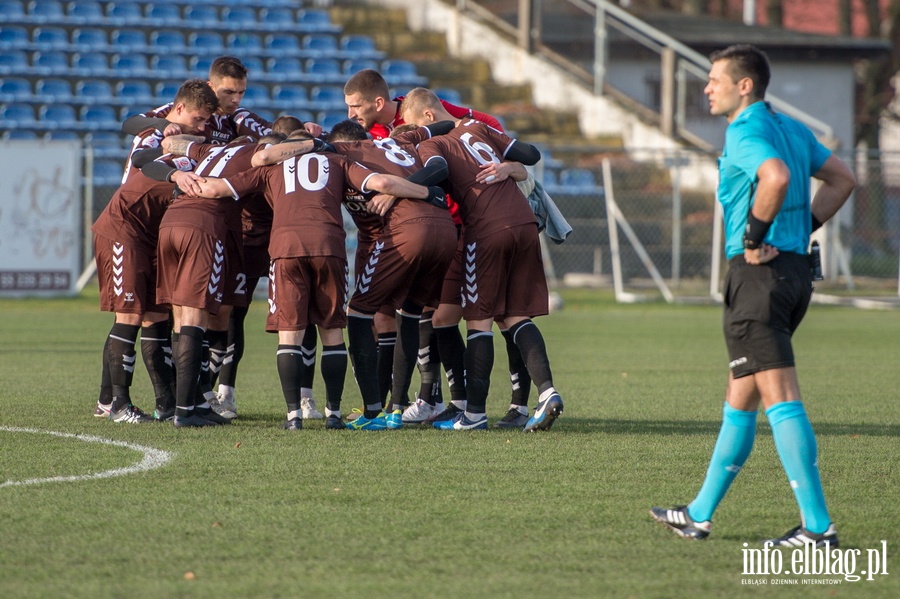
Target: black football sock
<point>364,354</point>
<point>121,356</point>
<point>518,372</point>
<point>156,350</point>
<point>386,344</point>
<point>308,368</point>
<point>235,345</point>
<point>105,396</point>
<point>334,370</point>
<point>188,353</point>
<point>429,363</point>
<point>452,350</point>
<point>404,358</point>
<point>204,384</point>
<point>218,349</point>
<point>479,359</point>
<point>289,360</point>
<point>530,342</point>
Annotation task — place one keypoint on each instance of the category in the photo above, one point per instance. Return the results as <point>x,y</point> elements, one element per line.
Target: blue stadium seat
<point>45,11</point>
<point>287,96</point>
<point>94,90</point>
<point>119,14</point>
<point>167,40</point>
<point>199,15</point>
<point>13,62</point>
<point>50,38</point>
<point>52,90</point>
<point>254,65</point>
<point>165,91</point>
<point>282,42</point>
<point>128,40</point>
<point>206,41</point>
<point>134,92</point>
<point>169,66</point>
<point>277,18</point>
<point>84,12</point>
<point>320,44</point>
<point>57,116</point>
<point>265,114</point>
<point>238,17</point>
<point>163,14</point>
<point>360,46</point>
<point>331,118</point>
<point>15,89</point>
<point>99,116</point>
<point>106,144</point>
<point>62,135</point>
<point>54,62</point>
<point>129,65</point>
<point>13,37</point>
<point>90,64</point>
<point>401,72</point>
<point>448,94</point>
<point>353,66</point>
<point>17,116</point>
<point>199,65</point>
<point>21,134</point>
<point>578,179</point>
<point>244,43</point>
<point>108,172</point>
<point>324,70</point>
<point>89,38</point>
<point>256,95</point>
<point>13,10</point>
<point>284,68</point>
<point>315,20</point>
<point>327,97</point>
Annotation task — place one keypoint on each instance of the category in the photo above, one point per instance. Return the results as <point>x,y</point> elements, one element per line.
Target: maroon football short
<point>304,291</point>
<point>504,275</point>
<point>126,272</point>
<point>256,261</point>
<point>236,291</point>
<point>192,268</point>
<point>452,285</point>
<point>409,263</point>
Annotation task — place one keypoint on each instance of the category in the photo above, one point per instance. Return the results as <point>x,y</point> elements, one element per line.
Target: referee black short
<point>764,305</point>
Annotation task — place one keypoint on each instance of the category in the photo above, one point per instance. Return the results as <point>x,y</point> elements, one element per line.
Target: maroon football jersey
<point>222,128</point>
<point>394,158</point>
<point>213,161</point>
<point>305,193</point>
<point>136,208</point>
<point>484,208</point>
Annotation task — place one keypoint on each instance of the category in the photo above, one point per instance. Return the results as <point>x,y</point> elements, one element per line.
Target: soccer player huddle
<point>213,198</point>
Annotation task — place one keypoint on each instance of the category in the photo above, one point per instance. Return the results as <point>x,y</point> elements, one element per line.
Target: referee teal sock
<point>732,448</point>
<point>796,445</point>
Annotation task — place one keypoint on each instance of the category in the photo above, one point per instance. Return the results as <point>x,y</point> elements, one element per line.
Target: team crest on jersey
<point>183,163</point>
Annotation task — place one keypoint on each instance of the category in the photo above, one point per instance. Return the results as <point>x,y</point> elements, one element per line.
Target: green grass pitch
<point>254,511</point>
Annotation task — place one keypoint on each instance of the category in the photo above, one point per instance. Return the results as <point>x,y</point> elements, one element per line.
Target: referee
<point>764,188</point>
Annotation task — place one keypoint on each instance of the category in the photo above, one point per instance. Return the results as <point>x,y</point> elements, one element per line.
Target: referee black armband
<point>754,232</point>
<point>816,223</point>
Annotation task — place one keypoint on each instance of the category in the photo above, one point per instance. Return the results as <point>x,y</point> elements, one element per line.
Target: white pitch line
<point>153,458</point>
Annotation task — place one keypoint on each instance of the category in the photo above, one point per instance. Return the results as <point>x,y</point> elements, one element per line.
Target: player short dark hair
<point>197,94</point>
<point>286,123</point>
<point>404,128</point>
<point>369,84</point>
<point>347,131</point>
<point>745,60</point>
<point>227,66</point>
<point>272,138</point>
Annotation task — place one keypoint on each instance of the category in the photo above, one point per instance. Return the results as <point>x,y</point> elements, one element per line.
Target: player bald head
<point>286,124</point>
<point>422,107</point>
